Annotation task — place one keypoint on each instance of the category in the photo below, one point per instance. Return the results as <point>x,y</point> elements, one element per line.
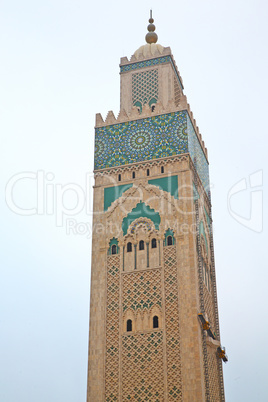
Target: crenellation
<point>99,120</point>
<point>133,58</point>
<point>110,118</point>
<point>124,60</point>
<point>122,116</point>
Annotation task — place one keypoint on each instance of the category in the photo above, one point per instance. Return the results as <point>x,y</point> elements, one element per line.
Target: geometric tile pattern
<point>213,375</point>
<point>141,140</point>
<point>145,87</point>
<point>177,92</point>
<point>149,63</point>
<point>197,155</point>
<point>147,139</point>
<point>142,367</point>
<point>112,330</point>
<point>142,290</point>
<point>172,325</point>
<point>209,307</point>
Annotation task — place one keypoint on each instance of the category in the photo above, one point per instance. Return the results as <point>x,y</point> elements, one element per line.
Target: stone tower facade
<point>154,328</point>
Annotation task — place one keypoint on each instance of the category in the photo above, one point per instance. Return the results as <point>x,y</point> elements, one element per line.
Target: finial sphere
<point>151,37</point>
<point>151,27</point>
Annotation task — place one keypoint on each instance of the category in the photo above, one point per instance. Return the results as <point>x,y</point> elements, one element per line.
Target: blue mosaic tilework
<point>149,63</point>
<point>141,140</point>
<point>151,138</point>
<point>197,155</point>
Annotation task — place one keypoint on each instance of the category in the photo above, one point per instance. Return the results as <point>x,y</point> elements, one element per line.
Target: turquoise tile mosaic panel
<point>141,140</point>
<point>150,138</point>
<point>197,155</point>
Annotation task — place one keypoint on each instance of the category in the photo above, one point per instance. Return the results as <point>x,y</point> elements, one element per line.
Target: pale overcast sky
<point>59,66</point>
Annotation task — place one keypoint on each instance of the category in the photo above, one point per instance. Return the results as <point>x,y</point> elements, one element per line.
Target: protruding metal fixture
<point>206,326</point>
<point>151,36</point>
<point>222,354</point>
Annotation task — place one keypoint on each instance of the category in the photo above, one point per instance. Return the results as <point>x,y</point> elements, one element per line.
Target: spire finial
<point>151,36</point>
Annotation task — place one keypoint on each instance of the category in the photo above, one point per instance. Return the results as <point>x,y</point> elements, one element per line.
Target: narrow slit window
<point>155,322</point>
<point>169,241</point>
<point>162,169</point>
<point>133,175</point>
<point>129,325</point>
<point>141,245</point>
<point>148,172</point>
<point>129,247</point>
<point>114,251</point>
<point>154,243</point>
<point>119,177</point>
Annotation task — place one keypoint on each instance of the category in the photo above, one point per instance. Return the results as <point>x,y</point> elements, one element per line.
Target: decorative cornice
<point>141,165</point>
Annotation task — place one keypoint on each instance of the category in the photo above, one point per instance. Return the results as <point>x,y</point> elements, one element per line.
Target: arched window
<point>169,241</point>
<point>141,245</point>
<point>133,175</point>
<point>129,325</point>
<point>154,243</point>
<point>129,247</point>
<point>153,107</point>
<point>113,246</point>
<point>155,322</point>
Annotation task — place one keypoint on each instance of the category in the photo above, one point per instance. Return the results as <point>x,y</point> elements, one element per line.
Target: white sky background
<point>59,66</point>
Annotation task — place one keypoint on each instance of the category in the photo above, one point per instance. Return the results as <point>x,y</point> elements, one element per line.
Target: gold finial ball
<point>151,27</point>
<point>151,37</point>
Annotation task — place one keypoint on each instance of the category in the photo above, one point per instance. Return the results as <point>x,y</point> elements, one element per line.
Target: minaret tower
<point>154,327</point>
